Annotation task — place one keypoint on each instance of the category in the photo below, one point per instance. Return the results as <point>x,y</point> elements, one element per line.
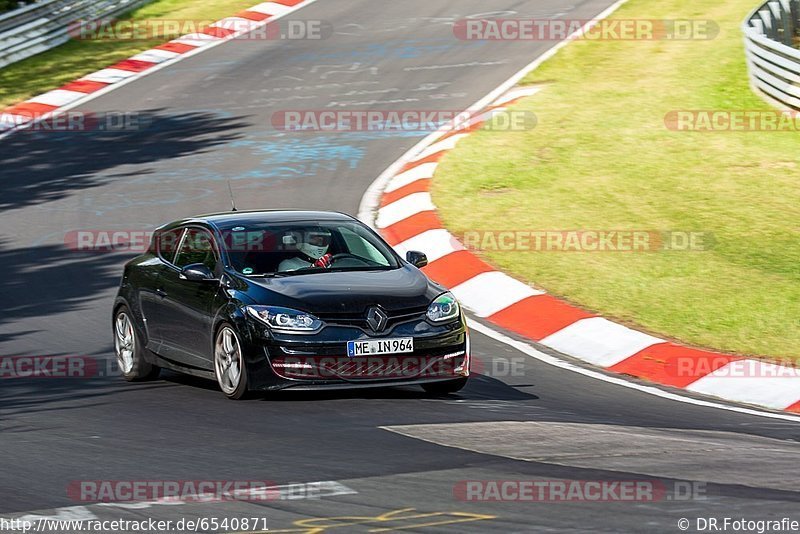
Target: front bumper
<point>320,361</point>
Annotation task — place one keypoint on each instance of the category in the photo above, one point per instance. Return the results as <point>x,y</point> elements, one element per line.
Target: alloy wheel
<point>228,360</point>
<point>124,342</point>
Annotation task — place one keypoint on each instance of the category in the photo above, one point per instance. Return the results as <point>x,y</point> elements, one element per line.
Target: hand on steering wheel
<point>325,261</point>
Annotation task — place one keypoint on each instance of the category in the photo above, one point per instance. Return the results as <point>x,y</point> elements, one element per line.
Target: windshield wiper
<point>307,270</point>
<point>317,270</point>
<point>365,268</point>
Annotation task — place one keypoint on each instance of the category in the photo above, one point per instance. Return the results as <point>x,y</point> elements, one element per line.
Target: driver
<point>313,248</point>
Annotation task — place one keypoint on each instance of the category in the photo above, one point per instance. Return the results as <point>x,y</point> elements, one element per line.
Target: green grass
<point>601,158</point>
<point>49,70</point>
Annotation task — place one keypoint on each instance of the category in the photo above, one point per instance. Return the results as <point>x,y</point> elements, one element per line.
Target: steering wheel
<point>346,255</point>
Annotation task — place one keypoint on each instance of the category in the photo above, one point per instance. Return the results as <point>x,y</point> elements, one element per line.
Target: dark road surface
<point>380,451</point>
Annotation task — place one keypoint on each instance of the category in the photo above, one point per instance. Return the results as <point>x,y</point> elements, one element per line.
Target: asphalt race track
<point>379,451</point>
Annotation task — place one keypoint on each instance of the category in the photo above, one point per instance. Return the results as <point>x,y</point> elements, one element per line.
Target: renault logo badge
<point>377,319</point>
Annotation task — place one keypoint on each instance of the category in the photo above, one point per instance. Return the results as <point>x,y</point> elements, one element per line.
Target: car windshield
<point>285,249</point>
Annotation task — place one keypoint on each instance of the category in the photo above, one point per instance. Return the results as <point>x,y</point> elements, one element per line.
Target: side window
<point>358,246</point>
<point>197,247</point>
<point>167,243</point>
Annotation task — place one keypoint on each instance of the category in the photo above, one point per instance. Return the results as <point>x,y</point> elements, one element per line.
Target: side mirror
<point>197,272</point>
<point>416,258</point>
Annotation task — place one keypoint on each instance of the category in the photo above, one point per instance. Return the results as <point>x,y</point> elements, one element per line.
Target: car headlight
<point>443,308</point>
<point>285,319</point>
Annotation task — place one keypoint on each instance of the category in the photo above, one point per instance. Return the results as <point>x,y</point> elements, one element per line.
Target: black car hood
<point>346,292</point>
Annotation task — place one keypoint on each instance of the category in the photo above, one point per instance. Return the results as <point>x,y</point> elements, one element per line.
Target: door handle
<point>161,293</point>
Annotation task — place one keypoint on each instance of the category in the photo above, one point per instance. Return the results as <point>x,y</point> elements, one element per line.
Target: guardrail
<point>45,25</point>
<point>773,61</point>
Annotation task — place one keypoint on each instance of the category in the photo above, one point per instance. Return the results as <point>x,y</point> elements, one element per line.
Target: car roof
<point>248,217</point>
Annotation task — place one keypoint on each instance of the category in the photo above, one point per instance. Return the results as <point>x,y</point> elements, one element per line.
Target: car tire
<point>130,350</point>
<point>439,389</point>
<point>228,356</point>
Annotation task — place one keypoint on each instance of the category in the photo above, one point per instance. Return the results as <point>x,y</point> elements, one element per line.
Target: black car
<point>270,300</point>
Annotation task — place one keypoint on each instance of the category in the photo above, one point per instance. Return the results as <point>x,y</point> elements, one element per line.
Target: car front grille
<point>359,320</point>
<point>369,367</point>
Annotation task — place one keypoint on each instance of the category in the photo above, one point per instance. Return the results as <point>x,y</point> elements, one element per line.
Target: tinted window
<point>360,247</point>
<point>197,247</point>
<point>167,243</point>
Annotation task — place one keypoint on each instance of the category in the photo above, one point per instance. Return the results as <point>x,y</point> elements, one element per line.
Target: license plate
<point>369,347</point>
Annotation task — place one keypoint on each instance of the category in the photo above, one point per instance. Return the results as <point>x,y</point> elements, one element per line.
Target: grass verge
<point>49,70</point>
<point>602,158</point>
